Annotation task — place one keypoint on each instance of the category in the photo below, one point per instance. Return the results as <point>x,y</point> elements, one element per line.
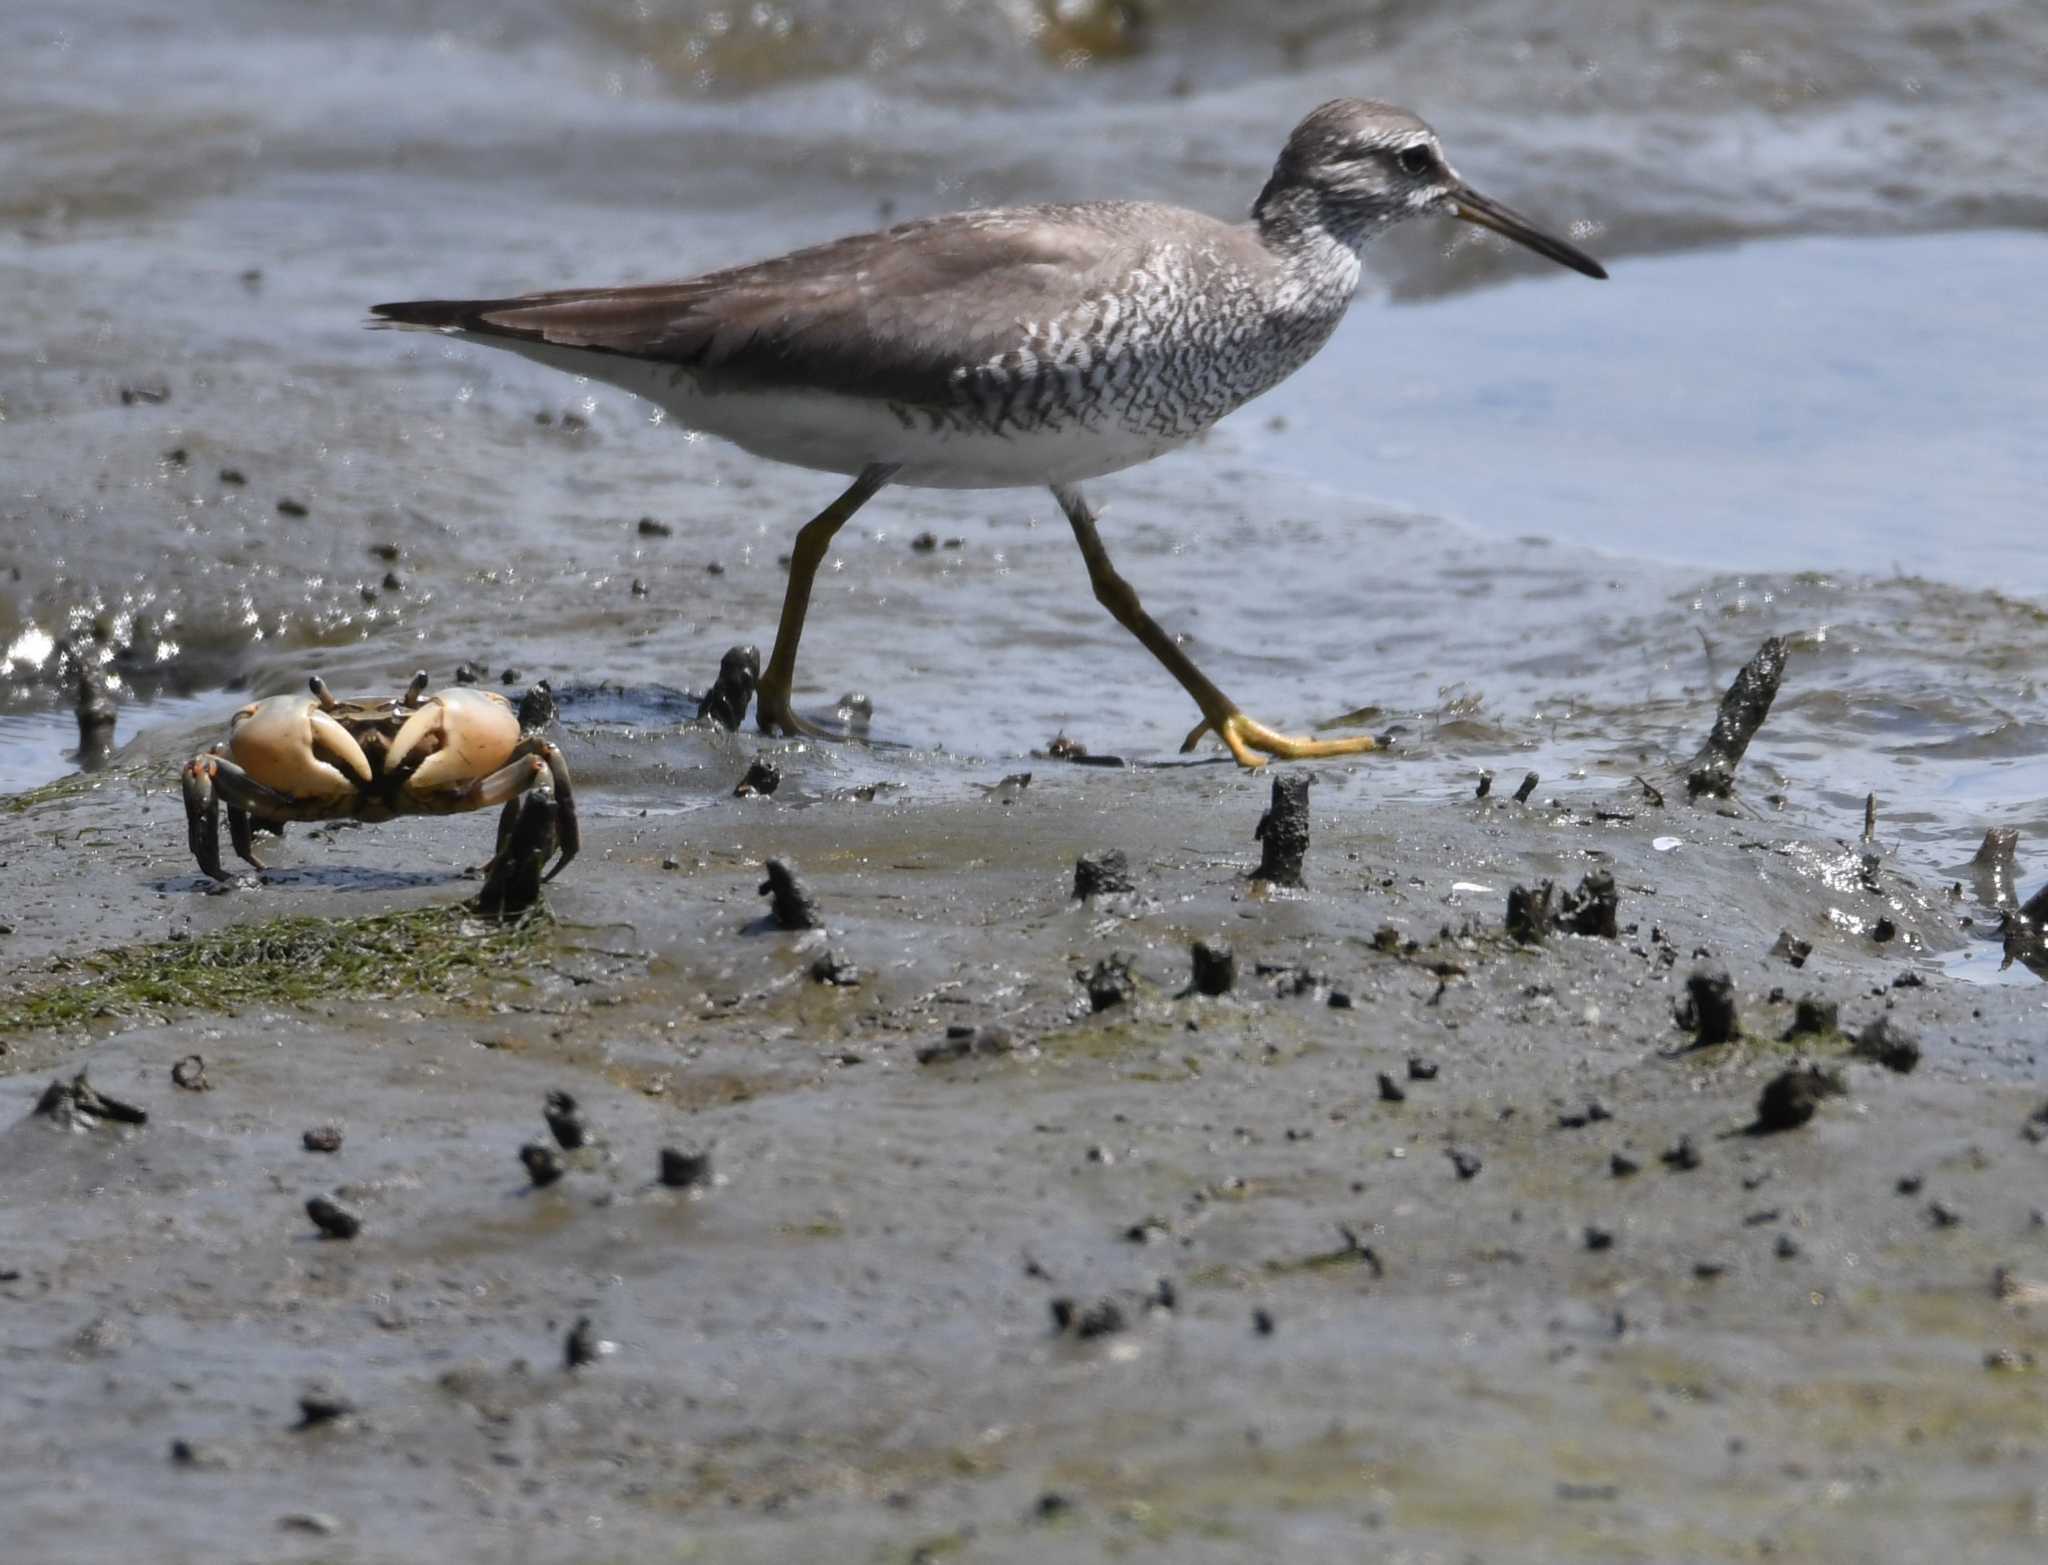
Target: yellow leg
<point>771,696</point>
<point>1245,738</point>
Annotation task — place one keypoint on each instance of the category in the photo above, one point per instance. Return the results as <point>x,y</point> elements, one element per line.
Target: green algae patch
<point>63,788</point>
<point>444,953</point>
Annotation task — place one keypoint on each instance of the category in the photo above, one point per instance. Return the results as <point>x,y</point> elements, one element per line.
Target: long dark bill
<point>1470,205</point>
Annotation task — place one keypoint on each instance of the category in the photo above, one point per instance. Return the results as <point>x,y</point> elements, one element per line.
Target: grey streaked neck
<point>1295,220</point>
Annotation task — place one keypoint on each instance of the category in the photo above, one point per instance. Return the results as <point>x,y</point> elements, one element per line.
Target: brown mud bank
<point>1700,1216</point>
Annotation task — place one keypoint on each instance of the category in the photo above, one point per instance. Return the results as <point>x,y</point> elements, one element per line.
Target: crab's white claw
<point>341,743</point>
<point>477,730</point>
<point>273,741</point>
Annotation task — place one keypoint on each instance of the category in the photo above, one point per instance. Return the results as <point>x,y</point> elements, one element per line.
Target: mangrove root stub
<point>1104,874</point>
<point>1743,710</point>
<point>1709,1008</point>
<point>1529,915</point>
<point>739,672</point>
<point>790,903</point>
<point>1283,833</point>
<point>1215,967</point>
<point>1594,909</point>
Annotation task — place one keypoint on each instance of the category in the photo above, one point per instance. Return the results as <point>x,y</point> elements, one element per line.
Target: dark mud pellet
<point>322,1138</point>
<point>1104,874</point>
<point>1101,1319</point>
<point>1786,1248</point>
<point>2035,1129</point>
<point>322,1405</point>
<point>1813,1017</point>
<point>1528,916</point>
<point>1282,833</point>
<point>1594,909</point>
<point>790,904</point>
<point>837,969</point>
<point>1710,1008</point>
<point>1528,786</point>
<point>1390,1090</point>
<point>1050,1505</point>
<point>1339,1000</point>
<point>1262,1322</point>
<point>762,779</point>
<point>1942,1215</point>
<point>648,527</point>
<point>1420,1069</point>
<point>332,1219</point>
<point>393,582</point>
<point>1466,1165</point>
<point>387,552</point>
<point>962,1041</point>
<point>1598,1238</point>
<point>1790,1098</point>
<point>924,543</point>
<point>1622,1166</point>
<point>682,1170</point>
<point>1707,1271</point>
<point>565,1121</point>
<point>739,674</point>
<point>190,1073</point>
<point>638,589</point>
<point>1791,948</point>
<point>1886,1043</point>
<point>1215,967</point>
<point>1485,785</point>
<point>543,1163</point>
<point>1683,1158</point>
<point>1110,982</point>
<point>1742,712</point>
<point>509,676</point>
<point>1909,1184</point>
<point>1884,930</point>
<point>293,508</point>
<point>233,476</point>
<point>582,1346</point>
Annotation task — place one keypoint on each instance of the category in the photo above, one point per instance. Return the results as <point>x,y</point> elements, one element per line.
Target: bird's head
<point>1354,167</point>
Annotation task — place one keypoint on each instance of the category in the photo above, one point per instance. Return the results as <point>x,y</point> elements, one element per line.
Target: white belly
<point>838,434</point>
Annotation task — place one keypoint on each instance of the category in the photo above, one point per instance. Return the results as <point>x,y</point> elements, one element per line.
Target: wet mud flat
<point>1553,1174</point>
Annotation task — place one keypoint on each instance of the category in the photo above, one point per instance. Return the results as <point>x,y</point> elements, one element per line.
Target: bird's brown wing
<point>895,314</point>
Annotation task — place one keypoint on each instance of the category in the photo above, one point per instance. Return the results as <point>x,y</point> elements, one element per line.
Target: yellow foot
<point>1244,737</point>
<point>772,715</point>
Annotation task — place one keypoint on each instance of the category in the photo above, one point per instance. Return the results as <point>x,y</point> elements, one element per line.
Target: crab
<point>316,758</point>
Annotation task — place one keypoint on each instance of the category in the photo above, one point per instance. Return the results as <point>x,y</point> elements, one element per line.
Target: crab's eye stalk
<point>1414,160</point>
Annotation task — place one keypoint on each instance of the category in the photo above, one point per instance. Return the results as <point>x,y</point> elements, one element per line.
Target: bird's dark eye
<point>1414,160</point>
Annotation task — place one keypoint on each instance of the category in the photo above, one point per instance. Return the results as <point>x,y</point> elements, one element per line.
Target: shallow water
<point>1806,403</point>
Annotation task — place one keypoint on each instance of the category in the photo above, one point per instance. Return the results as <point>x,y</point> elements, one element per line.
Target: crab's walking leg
<point>202,816</point>
<point>534,759</point>
<point>242,833</point>
<point>250,802</point>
